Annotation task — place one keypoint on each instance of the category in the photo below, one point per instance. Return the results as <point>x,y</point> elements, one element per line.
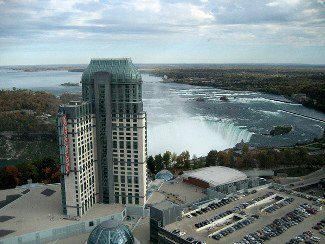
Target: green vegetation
<point>38,102</point>
<point>168,161</point>
<point>303,158</point>
<point>270,158</point>
<point>45,170</point>
<point>296,172</point>
<point>28,124</point>
<point>17,149</point>
<point>280,130</point>
<point>281,80</point>
<point>24,111</point>
<point>212,158</point>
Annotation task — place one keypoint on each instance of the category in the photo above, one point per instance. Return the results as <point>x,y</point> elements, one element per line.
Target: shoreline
<point>208,84</point>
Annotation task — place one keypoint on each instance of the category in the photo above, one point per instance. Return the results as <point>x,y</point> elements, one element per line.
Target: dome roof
<point>111,232</point>
<point>121,69</point>
<point>164,175</point>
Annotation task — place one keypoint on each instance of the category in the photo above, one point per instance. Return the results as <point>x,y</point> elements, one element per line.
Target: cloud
<point>200,15</point>
<point>262,22</point>
<point>148,5</point>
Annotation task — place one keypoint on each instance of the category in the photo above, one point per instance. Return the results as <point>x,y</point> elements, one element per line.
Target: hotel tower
<point>114,86</point>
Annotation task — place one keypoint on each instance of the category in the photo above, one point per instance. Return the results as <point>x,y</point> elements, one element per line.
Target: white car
<point>182,233</point>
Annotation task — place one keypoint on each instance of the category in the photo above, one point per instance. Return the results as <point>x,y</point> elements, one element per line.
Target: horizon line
<point>181,63</point>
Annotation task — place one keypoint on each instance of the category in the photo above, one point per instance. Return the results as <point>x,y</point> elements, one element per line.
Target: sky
<point>162,31</point>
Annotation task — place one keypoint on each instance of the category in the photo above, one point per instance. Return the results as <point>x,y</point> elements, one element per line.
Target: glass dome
<point>164,175</point>
<point>111,232</point>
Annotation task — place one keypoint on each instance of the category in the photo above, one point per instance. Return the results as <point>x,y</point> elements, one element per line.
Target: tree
<point>167,157</point>
<point>12,170</point>
<point>262,159</point>
<point>7,178</point>
<point>151,164</point>
<point>159,165</point>
<point>223,158</point>
<point>45,167</point>
<point>187,164</point>
<point>212,158</point>
<point>245,149</point>
<point>183,159</point>
<point>27,171</point>
<point>55,177</point>
<point>174,157</point>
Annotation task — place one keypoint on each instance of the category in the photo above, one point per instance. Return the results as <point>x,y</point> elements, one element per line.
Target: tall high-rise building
<point>76,130</point>
<point>114,86</point>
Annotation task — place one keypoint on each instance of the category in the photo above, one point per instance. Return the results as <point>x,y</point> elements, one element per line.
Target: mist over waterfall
<point>195,134</point>
<point>231,133</point>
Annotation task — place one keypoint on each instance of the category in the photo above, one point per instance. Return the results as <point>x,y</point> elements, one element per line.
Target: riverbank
<point>301,85</point>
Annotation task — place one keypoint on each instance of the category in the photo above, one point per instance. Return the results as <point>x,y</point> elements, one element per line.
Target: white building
<point>77,140</point>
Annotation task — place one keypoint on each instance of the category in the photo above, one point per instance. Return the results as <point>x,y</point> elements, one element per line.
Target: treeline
<point>37,101</point>
<point>22,122</point>
<point>274,80</point>
<point>168,160</point>
<point>25,111</point>
<point>245,158</point>
<point>268,158</point>
<point>45,170</point>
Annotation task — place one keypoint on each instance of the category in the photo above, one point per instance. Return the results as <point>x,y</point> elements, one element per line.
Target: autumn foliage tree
<point>44,170</point>
<point>9,177</point>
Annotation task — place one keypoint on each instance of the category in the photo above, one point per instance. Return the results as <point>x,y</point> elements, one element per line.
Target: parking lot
<point>264,209</point>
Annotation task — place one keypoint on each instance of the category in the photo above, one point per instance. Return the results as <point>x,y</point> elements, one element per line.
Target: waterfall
<point>231,133</point>
<point>198,135</point>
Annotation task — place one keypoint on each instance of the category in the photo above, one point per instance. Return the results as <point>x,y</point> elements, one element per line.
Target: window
<point>122,178</point>
<point>130,180</point>
<point>128,145</point>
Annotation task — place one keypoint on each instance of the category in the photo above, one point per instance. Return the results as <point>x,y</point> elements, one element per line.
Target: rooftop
<point>40,209</point>
<point>216,175</point>
<point>121,69</point>
<point>180,193</point>
<point>164,205</point>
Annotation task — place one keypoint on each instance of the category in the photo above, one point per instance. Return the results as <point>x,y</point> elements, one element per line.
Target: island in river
<point>280,130</point>
<point>70,84</point>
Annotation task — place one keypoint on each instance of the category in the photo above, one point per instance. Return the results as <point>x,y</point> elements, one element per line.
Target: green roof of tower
<point>122,70</point>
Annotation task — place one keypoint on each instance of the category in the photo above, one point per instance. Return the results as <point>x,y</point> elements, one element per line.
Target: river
<point>178,122</point>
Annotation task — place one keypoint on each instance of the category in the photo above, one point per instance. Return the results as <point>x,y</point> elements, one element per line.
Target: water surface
<point>178,122</point>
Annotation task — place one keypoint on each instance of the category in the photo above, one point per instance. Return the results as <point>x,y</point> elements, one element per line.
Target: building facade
<point>77,142</point>
<point>162,214</point>
<point>114,86</point>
